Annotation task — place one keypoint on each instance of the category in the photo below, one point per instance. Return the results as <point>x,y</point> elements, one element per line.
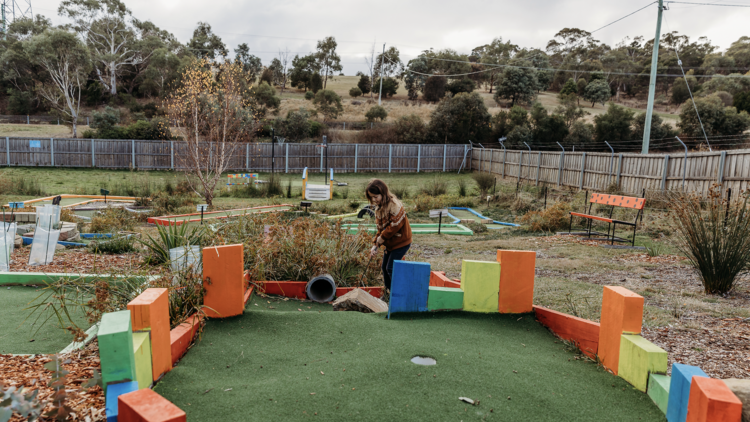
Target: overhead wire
<point>626,16</point>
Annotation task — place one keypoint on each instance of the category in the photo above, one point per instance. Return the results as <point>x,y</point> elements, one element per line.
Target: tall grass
<point>170,237</point>
<point>435,187</point>
<point>27,186</point>
<point>484,181</point>
<point>715,237</point>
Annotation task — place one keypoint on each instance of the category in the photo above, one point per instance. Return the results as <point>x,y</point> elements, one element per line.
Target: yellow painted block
<point>142,352</point>
<point>480,282</point>
<point>639,358</point>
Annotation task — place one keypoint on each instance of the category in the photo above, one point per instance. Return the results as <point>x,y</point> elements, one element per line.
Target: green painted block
<point>142,355</point>
<point>639,358</point>
<point>445,298</point>
<point>658,390</point>
<point>480,282</point>
<point>116,348</point>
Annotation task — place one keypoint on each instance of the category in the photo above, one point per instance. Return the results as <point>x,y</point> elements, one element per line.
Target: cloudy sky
<point>413,26</point>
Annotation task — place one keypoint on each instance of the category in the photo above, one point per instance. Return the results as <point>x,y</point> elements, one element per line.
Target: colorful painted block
<point>582,332</point>
<point>113,392</point>
<point>409,287</point>
<point>116,348</point>
<point>438,279</point>
<point>622,313</point>
<point>444,298</point>
<point>142,355</point>
<point>148,406</point>
<point>679,390</point>
<point>639,358</point>
<point>150,312</point>
<point>516,281</point>
<point>224,281</point>
<point>712,401</point>
<point>658,390</point>
<point>480,282</point>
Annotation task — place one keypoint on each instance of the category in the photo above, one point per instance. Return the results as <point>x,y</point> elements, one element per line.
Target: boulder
<point>360,301</point>
<point>741,389</point>
<point>17,241</point>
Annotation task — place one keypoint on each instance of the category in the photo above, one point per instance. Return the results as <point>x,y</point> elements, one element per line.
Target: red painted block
<point>248,293</point>
<point>146,405</point>
<point>582,332</point>
<point>150,312</point>
<point>181,337</point>
<point>438,279</point>
<point>516,281</point>
<point>296,289</point>
<point>712,401</point>
<point>622,312</point>
<point>224,281</point>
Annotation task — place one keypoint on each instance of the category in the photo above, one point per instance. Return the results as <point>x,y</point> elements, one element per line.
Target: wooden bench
<point>614,201</point>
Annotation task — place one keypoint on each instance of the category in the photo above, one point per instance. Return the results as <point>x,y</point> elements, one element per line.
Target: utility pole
<point>382,61</point>
<point>5,36</point>
<point>652,83</point>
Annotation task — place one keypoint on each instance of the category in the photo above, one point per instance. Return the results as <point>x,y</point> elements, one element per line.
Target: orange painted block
<point>582,332</point>
<point>150,312</point>
<point>516,281</point>
<point>181,337</point>
<point>224,281</point>
<point>146,405</point>
<point>712,401</point>
<point>622,312</point>
<point>248,293</point>
<point>438,279</point>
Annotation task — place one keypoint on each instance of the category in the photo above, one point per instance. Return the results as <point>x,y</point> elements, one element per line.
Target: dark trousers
<point>388,258</point>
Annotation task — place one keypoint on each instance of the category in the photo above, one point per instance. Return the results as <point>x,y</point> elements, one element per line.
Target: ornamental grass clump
<point>714,234</point>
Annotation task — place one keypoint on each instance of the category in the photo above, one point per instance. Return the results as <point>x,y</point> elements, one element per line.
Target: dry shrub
<point>485,181</point>
<point>521,205</point>
<point>435,187</point>
<point>378,135</point>
<point>549,220</point>
<point>425,203</point>
<point>112,220</point>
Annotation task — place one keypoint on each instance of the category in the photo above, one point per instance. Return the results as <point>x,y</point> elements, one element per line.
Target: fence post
<point>619,170</point>
<point>27,119</point>
<point>356,156</point>
<point>445,155</point>
<point>7,149</point>
<point>560,170</point>
<point>93,154</point>
<point>286,159</point>
<point>390,156</point>
<point>664,173</point>
<point>344,125</point>
<point>321,158</point>
<point>583,170</point>
<point>419,156</point>
<point>481,158</point>
<point>505,155</point>
<point>492,152</point>
<point>87,121</point>
<point>171,155</point>
<point>52,150</point>
<point>247,157</point>
<point>520,165</point>
<point>538,166</point>
<point>132,152</point>
<point>722,163</point>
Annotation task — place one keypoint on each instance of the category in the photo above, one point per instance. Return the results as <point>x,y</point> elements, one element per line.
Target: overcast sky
<point>413,26</point>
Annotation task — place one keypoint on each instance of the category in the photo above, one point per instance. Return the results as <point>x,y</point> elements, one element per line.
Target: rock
<point>17,241</point>
<point>741,389</point>
<point>59,247</point>
<point>360,301</point>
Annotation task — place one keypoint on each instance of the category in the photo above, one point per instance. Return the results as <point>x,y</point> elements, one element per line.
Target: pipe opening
<point>321,289</point>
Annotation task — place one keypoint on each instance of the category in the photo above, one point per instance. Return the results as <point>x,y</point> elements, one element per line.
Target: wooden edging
<point>582,332</point>
<point>34,279</point>
<point>165,219</point>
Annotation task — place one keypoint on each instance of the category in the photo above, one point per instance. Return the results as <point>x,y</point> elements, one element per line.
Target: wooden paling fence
<point>287,157</point>
<point>630,172</point>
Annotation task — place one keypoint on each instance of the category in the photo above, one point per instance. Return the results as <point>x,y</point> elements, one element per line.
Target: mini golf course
<point>292,360</point>
<point>416,229</point>
<point>212,216</point>
<point>461,214</point>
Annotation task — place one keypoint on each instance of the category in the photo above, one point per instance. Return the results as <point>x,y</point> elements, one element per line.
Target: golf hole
<point>423,360</point>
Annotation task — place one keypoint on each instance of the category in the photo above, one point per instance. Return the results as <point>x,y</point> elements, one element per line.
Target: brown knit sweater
<point>393,225</point>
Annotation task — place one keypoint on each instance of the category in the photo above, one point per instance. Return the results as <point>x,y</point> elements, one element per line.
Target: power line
<point>618,20</point>
<point>708,4</point>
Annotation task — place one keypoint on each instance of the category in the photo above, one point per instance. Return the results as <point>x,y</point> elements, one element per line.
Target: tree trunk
<point>75,128</point>
<point>112,79</point>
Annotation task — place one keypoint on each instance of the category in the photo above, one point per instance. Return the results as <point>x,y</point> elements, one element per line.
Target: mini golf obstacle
<point>180,219</point>
<point>313,192</point>
<point>72,201</point>
<point>460,214</point>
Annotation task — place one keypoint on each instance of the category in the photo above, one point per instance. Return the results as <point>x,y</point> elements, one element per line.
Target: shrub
<point>410,130</point>
<point>424,202</point>
<point>741,101</point>
<point>401,191</point>
<point>328,103</point>
<point>521,206</point>
<point>355,92</point>
<point>364,84</point>
<point>316,128</point>
<point>390,87</point>
<point>375,113</point>
<point>462,187</point>
<point>170,237</point>
<point>485,181</point>
<point>111,220</point>
<point>614,125</point>
<point>549,220</point>
<point>476,226</point>
<point>460,118</point>
<point>264,98</point>
<point>296,126</point>
<point>316,83</point>
<point>434,88</point>
<point>460,85</point>
<point>716,241</point>
<point>114,246</point>
<point>716,118</point>
<point>309,95</point>
<point>435,187</point>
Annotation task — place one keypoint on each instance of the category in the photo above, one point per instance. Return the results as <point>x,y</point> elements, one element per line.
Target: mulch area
<point>28,372</point>
<point>80,261</point>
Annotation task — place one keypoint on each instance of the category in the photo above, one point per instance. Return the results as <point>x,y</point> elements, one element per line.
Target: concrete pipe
<point>321,289</point>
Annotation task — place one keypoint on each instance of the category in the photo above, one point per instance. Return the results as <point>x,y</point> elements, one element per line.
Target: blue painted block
<point>410,286</point>
<point>113,392</point>
<point>679,391</point>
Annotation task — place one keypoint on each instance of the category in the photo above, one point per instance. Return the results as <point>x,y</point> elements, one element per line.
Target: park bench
<point>614,201</point>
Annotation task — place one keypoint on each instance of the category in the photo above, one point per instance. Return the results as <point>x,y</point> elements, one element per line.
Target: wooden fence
<point>287,157</point>
<point>631,172</point>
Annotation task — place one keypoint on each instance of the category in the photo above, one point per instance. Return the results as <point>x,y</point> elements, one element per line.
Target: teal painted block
<point>679,390</point>
<point>658,390</point>
<point>441,298</point>
<point>639,358</point>
<point>116,348</point>
<point>480,282</point>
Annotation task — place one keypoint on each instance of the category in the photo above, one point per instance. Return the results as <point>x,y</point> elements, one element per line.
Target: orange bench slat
<point>617,200</point>
<point>593,217</point>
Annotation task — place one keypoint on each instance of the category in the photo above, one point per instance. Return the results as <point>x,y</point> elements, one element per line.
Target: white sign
<point>202,207</point>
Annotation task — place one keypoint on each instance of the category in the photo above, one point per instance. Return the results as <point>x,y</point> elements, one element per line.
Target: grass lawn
<point>42,131</point>
<point>18,335</point>
<point>296,362</point>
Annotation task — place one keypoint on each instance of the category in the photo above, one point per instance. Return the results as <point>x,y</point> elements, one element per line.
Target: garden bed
<point>177,220</point>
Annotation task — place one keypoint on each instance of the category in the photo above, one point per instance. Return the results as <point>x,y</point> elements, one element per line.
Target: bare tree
<point>214,119</point>
<point>284,59</point>
<point>370,63</point>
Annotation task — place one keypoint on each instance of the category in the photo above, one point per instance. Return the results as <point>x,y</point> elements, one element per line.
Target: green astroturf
<point>17,331</point>
<point>266,364</point>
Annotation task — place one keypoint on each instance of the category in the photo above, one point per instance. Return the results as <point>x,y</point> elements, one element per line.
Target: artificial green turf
<point>266,365</point>
<point>18,329</point>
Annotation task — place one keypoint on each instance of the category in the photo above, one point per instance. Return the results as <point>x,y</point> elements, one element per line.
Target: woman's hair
<point>378,187</point>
